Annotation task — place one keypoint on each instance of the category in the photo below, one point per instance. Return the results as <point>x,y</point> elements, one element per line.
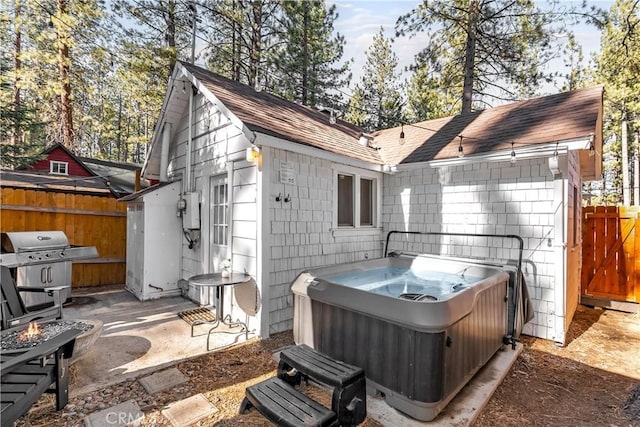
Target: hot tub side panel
<point>423,370</point>
<point>406,361</point>
<point>476,338</point>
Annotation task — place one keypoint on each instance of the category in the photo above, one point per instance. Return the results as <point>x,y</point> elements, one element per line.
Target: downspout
<point>164,153</point>
<point>230,167</point>
<point>560,251</point>
<point>187,185</point>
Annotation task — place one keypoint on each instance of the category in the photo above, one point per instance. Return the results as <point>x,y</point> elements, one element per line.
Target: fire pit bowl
<point>85,340</point>
<point>12,343</point>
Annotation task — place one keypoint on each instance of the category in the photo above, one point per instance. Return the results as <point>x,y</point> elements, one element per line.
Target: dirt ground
<point>593,381</point>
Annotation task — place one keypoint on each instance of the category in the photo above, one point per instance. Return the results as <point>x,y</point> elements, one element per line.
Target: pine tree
<point>380,88</point>
<point>240,35</point>
<point>308,61</point>
<point>486,49</point>
<point>51,47</point>
<point>146,54</point>
<point>427,97</point>
<point>356,112</point>
<point>163,28</point>
<point>574,62</point>
<point>617,66</point>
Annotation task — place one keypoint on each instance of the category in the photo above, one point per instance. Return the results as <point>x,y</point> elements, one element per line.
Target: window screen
<point>345,200</point>
<point>366,202</point>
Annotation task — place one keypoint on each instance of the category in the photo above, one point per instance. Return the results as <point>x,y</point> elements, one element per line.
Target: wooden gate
<point>611,253</point>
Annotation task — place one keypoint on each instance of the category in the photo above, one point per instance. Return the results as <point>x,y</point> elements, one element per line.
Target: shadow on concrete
<point>138,337</point>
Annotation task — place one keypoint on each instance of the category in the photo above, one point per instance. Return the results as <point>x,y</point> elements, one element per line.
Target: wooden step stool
<point>348,403</point>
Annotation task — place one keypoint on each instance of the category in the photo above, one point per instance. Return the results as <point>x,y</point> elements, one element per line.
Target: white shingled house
<point>278,188</point>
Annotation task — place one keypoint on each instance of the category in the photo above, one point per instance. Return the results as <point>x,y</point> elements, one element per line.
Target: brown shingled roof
<point>544,120</point>
<point>265,113</point>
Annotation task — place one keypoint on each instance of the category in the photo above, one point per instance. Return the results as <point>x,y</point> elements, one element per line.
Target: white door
<point>218,222</point>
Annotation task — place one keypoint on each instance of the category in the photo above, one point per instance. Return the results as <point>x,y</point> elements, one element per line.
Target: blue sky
<point>360,20</point>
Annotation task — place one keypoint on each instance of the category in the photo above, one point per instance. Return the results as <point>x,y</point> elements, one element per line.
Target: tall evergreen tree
<point>356,112</point>
<point>163,28</point>
<point>240,36</point>
<point>618,66</point>
<point>486,49</point>
<point>51,47</point>
<point>307,61</point>
<point>427,97</point>
<point>146,53</point>
<point>380,87</point>
<point>574,59</point>
<point>21,138</point>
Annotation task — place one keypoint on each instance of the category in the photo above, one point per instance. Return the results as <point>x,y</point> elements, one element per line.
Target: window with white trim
<point>356,200</point>
<point>58,168</point>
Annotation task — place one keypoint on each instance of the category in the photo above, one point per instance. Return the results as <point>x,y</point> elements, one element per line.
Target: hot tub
<point>421,326</point>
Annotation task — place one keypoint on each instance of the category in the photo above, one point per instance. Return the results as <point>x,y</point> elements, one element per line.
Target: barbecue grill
<point>41,259</point>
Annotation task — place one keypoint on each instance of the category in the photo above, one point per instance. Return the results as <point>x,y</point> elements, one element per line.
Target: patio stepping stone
<point>163,380</point>
<point>188,411</point>
<point>123,414</point>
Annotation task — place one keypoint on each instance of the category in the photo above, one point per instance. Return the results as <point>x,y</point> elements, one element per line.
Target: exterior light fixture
<point>253,154</point>
<point>184,87</point>
<point>460,149</point>
<point>513,155</point>
<point>401,139</point>
<point>592,147</point>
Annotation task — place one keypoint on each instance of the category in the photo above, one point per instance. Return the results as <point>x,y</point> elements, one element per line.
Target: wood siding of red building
<point>59,155</point>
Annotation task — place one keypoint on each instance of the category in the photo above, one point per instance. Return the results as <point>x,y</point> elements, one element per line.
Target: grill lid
<point>27,241</point>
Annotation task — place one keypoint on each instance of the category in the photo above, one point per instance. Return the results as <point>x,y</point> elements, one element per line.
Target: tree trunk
<point>625,162</point>
<point>170,36</point>
<point>64,61</point>
<point>636,172</point>
<point>305,57</point>
<point>16,131</point>
<point>119,124</point>
<point>469,57</point>
<point>254,55</point>
<point>235,45</point>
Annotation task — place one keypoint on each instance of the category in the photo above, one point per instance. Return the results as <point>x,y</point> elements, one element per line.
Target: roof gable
<point>261,112</point>
<point>266,113</point>
<point>60,153</point>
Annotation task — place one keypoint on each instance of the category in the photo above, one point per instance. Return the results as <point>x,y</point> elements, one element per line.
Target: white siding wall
<point>487,198</point>
<point>301,231</point>
<point>482,198</point>
<point>215,141</point>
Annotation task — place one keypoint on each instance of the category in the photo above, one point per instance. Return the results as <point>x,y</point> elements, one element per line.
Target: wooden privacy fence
<point>611,253</point>
<point>86,220</point>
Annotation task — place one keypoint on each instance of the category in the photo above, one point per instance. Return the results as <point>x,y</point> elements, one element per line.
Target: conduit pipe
<point>164,153</point>
<point>188,186</point>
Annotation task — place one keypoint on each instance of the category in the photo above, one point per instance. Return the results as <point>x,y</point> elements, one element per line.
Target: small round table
<point>215,280</point>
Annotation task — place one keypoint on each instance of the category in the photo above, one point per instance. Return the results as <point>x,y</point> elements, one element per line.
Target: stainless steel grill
<point>41,259</point>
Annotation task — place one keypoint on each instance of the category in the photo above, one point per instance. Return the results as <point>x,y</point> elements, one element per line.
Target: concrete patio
<point>137,337</point>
